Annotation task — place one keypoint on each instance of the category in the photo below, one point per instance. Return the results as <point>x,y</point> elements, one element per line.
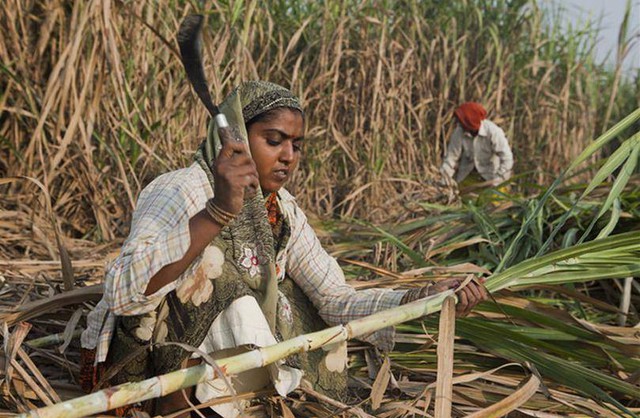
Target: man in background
<point>478,152</point>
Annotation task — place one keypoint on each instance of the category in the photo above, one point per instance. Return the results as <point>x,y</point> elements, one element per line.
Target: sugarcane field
<point>338,208</point>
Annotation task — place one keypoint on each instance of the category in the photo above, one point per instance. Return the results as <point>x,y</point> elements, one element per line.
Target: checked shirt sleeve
<point>159,236</point>
<point>322,280</point>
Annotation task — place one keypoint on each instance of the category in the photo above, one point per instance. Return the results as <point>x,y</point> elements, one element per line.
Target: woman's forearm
<point>202,230</point>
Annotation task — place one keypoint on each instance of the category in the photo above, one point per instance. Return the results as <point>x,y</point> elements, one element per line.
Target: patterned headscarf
<point>245,102</point>
<point>470,115</point>
<point>258,97</point>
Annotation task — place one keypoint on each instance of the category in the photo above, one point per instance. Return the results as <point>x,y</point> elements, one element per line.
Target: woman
<point>478,149</point>
<point>193,272</point>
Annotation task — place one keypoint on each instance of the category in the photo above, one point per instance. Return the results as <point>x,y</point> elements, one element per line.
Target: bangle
<point>416,293</point>
<point>222,211</point>
<point>425,291</point>
<point>220,216</point>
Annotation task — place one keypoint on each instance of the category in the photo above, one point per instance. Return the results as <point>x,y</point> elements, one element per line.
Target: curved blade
<point>190,43</point>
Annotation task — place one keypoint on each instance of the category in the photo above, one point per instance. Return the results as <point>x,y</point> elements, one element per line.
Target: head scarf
<point>247,101</point>
<point>470,115</point>
<point>258,97</point>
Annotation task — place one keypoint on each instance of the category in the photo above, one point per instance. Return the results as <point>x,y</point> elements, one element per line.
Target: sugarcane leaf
<point>589,274</point>
<point>613,220</point>
<point>380,384</point>
<point>569,238</point>
<point>413,255</point>
<point>556,326</point>
<point>592,148</point>
<point>485,223</point>
<point>456,245</point>
<point>514,275</point>
<point>516,347</point>
<point>443,219</point>
<point>603,139</point>
<point>512,402</point>
<point>622,180</point>
<point>613,162</point>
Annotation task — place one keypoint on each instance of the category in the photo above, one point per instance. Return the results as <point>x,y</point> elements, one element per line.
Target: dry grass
<point>94,102</point>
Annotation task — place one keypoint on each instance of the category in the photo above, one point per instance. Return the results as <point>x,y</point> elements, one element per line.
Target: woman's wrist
<point>217,214</point>
<point>415,294</point>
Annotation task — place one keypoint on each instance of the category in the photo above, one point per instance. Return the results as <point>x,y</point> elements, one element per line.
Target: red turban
<point>470,115</point>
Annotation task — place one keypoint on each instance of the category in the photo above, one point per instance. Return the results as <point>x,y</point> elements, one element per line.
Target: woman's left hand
<point>468,297</point>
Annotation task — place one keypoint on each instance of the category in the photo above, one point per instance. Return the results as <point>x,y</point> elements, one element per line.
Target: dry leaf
<point>446,335</point>
<point>336,359</point>
<point>511,402</point>
<point>380,384</point>
<point>286,412</point>
<point>12,343</point>
<point>70,328</point>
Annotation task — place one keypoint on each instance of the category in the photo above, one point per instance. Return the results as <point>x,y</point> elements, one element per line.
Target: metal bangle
<point>222,217</point>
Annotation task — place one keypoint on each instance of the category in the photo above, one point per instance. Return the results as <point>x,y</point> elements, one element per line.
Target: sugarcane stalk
<point>159,386</point>
<point>53,339</point>
<point>526,273</point>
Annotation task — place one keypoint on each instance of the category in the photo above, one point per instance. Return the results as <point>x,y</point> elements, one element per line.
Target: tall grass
<point>94,102</point>
<point>518,235</point>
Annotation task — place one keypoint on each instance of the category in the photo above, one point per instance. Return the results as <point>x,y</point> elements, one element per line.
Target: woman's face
<point>276,145</point>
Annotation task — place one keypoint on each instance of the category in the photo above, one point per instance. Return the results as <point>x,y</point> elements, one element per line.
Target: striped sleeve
<point>159,236</point>
<point>322,280</point>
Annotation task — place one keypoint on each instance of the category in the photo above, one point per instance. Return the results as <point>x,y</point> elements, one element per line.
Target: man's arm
<point>452,157</point>
<point>502,149</point>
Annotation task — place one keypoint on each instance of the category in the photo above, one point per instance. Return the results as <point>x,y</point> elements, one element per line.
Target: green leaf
<point>415,256</point>
<point>515,346</point>
<point>613,221</point>
<point>590,150</point>
<point>621,180</point>
<point>613,162</point>
<point>605,138</point>
<point>516,274</point>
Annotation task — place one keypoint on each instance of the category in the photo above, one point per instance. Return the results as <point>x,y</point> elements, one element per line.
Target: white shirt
<point>488,152</point>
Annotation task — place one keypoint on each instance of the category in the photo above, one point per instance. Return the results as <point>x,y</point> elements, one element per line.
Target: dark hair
<point>270,115</point>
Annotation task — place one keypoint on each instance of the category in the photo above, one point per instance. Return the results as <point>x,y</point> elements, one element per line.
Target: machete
<point>190,43</point>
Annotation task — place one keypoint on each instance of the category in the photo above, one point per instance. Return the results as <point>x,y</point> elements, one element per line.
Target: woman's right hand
<point>233,172</point>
